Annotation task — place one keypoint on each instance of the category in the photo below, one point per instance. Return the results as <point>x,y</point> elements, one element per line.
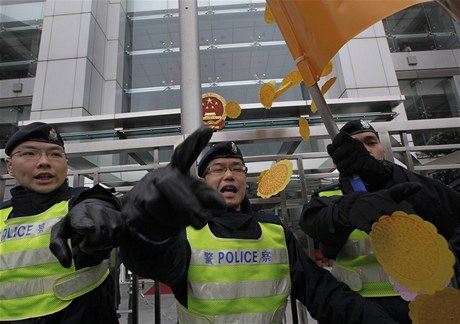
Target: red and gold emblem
<point>213,107</point>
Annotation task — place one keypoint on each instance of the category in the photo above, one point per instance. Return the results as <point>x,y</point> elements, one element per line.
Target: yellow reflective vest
<point>32,281</point>
<point>357,266</point>
<point>237,280</point>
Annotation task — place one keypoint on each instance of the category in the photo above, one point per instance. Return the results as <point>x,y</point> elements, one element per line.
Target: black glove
<point>168,199</point>
<point>93,224</point>
<point>351,158</point>
<point>361,209</point>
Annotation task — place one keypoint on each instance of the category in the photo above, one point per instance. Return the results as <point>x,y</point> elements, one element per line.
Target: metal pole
<point>331,127</point>
<point>324,110</point>
<point>134,306</point>
<point>295,316</point>
<point>191,114</point>
<point>157,302</point>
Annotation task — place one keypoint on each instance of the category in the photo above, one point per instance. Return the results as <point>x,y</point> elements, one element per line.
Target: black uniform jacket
<point>98,305</point>
<point>324,297</point>
<point>435,202</point>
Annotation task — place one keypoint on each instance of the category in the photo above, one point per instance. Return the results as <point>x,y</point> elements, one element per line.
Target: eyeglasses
<point>35,154</point>
<point>219,169</point>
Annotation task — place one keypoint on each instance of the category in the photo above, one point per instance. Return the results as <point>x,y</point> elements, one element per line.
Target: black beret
<point>357,126</point>
<point>38,132</point>
<point>220,150</point>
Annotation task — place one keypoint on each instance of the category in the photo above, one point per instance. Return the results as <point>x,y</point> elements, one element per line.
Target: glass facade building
<point>109,75</point>
<point>114,77</point>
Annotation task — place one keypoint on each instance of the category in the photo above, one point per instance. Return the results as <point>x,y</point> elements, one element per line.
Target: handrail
<point>389,132</point>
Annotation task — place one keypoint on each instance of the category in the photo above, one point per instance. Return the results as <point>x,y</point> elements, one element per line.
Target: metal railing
<point>396,137</point>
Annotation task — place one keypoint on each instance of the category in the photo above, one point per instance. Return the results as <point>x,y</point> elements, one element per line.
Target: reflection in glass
<point>10,116</point>
<point>429,98</point>
<point>238,51</point>
<point>422,27</point>
<point>20,31</point>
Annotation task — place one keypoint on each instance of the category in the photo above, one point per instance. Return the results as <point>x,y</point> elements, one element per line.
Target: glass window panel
<point>236,27</point>
<point>411,43</point>
<point>422,27</point>
<point>146,6</point>
<point>234,54</point>
<point>410,21</point>
<point>447,41</point>
<point>155,100</point>
<point>158,70</point>
<point>438,19</point>
<point>155,33</point>
<point>20,12</point>
<point>10,116</point>
<point>20,32</point>
<point>429,98</point>
<point>217,3</point>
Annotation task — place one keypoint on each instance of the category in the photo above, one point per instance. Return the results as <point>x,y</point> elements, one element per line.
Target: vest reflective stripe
<point>223,290</point>
<point>356,277</point>
<point>186,316</point>
<point>355,247</point>
<point>65,287</point>
<point>368,287</point>
<point>32,282</point>
<point>26,259</point>
<point>237,280</point>
<point>81,281</point>
<point>330,193</point>
<point>357,266</point>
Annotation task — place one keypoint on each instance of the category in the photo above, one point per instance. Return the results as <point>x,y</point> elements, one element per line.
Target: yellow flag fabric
<point>315,30</point>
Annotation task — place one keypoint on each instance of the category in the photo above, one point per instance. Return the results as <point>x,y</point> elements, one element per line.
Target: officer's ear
<point>9,166</point>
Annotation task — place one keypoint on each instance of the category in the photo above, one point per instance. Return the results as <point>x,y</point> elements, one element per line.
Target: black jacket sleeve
<point>436,203</point>
<point>97,192</point>
<point>322,294</point>
<point>320,220</point>
<point>327,299</point>
<point>165,261</point>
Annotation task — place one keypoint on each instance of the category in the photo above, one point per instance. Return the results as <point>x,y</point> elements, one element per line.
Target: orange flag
<point>315,30</point>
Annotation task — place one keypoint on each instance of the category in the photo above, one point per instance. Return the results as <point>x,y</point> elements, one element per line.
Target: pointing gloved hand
<point>351,157</point>
<point>169,199</point>
<point>94,224</point>
<point>361,209</point>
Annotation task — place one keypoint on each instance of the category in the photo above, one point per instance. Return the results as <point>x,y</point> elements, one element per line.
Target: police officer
<point>44,279</point>
<point>224,262</point>
<point>340,219</point>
